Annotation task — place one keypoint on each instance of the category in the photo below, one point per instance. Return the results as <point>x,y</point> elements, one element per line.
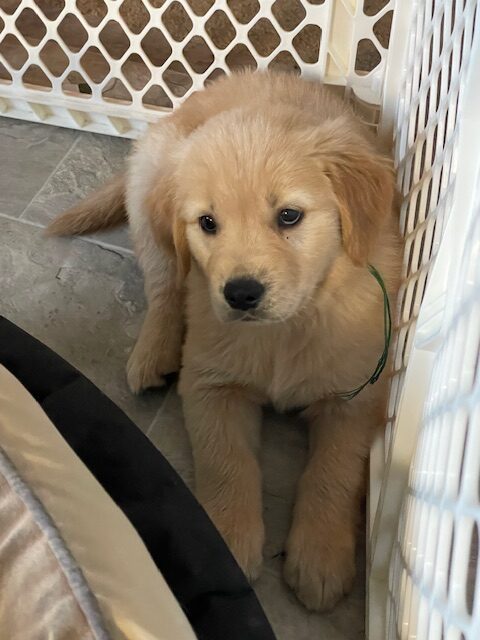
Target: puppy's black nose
<point>243,293</point>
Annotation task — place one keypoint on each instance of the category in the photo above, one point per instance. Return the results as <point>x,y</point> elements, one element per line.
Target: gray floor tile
<point>81,300</point>
<point>91,162</point>
<point>29,153</point>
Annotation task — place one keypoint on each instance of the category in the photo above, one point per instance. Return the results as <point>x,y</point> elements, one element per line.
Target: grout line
<point>99,243</point>
<point>51,174</point>
<point>170,390</point>
<point>159,410</point>
<point>148,432</point>
<point>106,245</point>
<point>17,219</point>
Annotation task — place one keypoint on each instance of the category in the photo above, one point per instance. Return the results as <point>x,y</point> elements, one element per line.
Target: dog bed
<point>90,460</point>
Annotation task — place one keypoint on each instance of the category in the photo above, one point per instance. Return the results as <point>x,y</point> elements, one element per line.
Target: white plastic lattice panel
<point>434,590</point>
<point>435,395</point>
<point>113,65</point>
<point>426,154</point>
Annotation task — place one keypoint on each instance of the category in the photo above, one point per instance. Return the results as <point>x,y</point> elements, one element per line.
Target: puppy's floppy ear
<point>181,249</point>
<point>167,227</point>
<point>363,183</point>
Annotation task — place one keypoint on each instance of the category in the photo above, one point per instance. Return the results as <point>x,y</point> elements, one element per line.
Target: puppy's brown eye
<point>208,224</point>
<point>289,217</point>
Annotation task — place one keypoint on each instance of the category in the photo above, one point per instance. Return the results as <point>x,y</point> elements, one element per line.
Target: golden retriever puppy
<point>256,209</point>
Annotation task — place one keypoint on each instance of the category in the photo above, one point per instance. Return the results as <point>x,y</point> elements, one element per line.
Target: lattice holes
<point>426,140</point>
<point>435,573</point>
<point>112,65</point>
<point>433,587</point>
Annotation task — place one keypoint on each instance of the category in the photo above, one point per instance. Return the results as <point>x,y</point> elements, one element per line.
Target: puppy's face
<point>258,216</point>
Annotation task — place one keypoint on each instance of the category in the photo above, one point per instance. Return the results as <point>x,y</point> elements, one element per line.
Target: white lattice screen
<point>433,412</point>
<point>112,65</point>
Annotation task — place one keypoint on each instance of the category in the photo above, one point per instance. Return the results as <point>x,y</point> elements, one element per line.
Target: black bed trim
<point>182,541</point>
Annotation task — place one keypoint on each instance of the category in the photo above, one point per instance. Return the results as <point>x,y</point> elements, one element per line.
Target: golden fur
<point>245,148</point>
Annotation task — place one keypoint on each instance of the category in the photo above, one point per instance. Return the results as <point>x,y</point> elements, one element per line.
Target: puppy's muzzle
<point>243,294</point>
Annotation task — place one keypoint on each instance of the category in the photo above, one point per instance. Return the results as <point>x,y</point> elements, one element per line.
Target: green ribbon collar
<point>387,323</point>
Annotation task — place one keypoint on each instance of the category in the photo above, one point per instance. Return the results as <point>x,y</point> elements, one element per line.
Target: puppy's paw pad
<point>319,577</point>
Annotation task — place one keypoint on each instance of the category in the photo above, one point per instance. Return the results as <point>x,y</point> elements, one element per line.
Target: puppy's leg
<point>159,345</point>
<point>320,564</point>
<point>224,425</point>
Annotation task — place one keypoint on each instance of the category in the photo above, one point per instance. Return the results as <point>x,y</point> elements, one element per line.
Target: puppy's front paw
<point>243,531</point>
<point>320,566</point>
<point>143,373</point>
<point>147,366</point>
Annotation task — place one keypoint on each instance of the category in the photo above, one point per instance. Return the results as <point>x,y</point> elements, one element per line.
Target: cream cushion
<point>71,564</point>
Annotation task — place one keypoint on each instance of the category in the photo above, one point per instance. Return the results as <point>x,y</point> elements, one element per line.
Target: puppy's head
<point>264,205</point>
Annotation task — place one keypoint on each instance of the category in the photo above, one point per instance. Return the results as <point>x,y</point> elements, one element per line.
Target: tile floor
<point>84,299</point>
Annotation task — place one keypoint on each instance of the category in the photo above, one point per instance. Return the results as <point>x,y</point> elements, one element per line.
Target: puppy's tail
<point>102,209</point>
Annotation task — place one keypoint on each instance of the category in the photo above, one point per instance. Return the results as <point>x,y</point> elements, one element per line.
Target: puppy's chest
<point>287,371</point>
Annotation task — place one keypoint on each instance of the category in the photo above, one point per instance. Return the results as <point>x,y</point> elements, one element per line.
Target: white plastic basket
<point>112,66</point>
